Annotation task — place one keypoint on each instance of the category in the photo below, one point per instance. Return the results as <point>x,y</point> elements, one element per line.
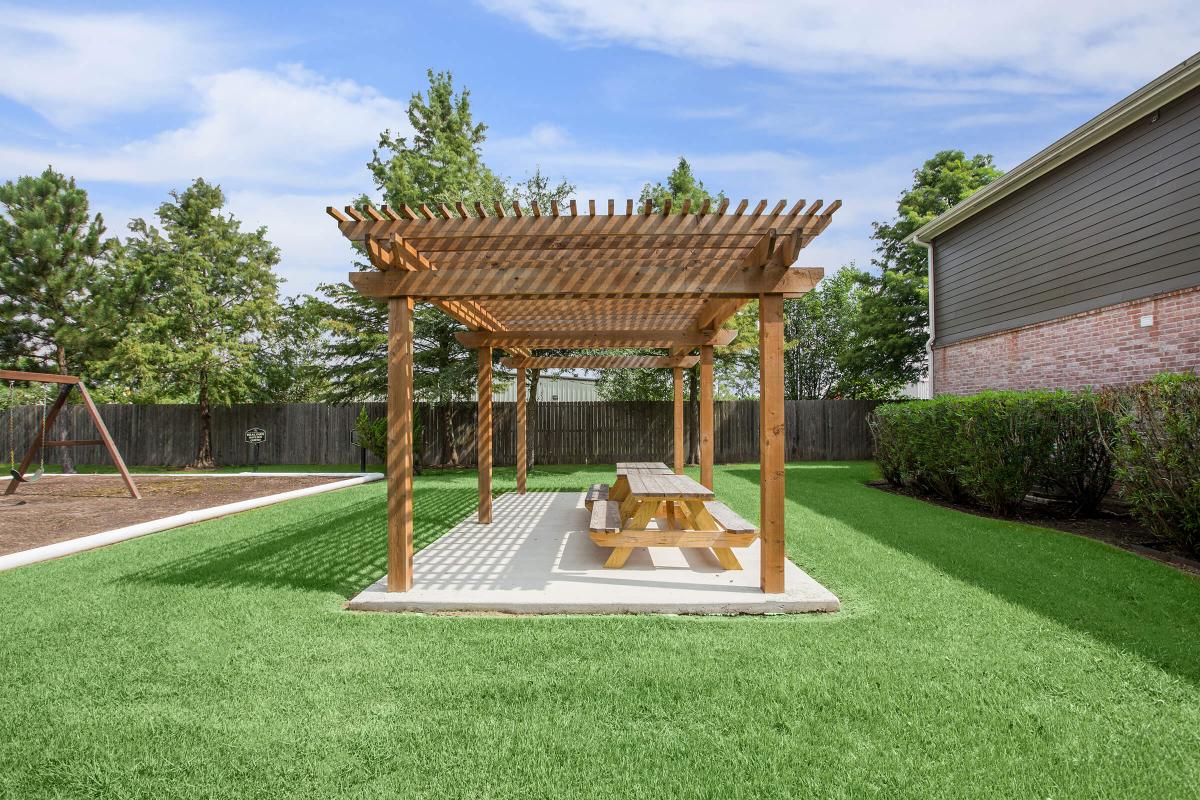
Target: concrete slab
<point>536,558</point>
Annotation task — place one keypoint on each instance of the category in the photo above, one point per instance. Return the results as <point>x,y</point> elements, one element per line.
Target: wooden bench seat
<point>606,517</point>
<point>728,519</point>
<point>598,491</point>
<point>609,528</point>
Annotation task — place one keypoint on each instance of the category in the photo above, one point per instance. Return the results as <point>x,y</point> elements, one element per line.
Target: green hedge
<point>993,448</point>
<point>1158,455</point>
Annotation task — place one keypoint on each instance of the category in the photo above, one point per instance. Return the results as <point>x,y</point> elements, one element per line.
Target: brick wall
<point>1104,347</point>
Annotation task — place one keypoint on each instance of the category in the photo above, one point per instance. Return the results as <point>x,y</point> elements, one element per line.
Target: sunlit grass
<point>973,658</point>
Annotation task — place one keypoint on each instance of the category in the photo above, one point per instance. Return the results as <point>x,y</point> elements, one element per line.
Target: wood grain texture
<point>521,433</point>
<point>706,416</point>
<point>677,420</point>
<point>400,445</point>
<point>483,455</point>
<point>772,443</point>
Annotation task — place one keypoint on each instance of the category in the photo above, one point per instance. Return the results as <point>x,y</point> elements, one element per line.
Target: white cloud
<point>1019,45</point>
<point>313,250</point>
<point>289,128</point>
<point>72,67</point>
<point>868,191</point>
<point>283,144</point>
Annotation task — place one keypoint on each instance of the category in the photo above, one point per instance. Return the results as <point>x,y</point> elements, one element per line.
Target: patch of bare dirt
<point>61,507</point>
<point>1118,530</point>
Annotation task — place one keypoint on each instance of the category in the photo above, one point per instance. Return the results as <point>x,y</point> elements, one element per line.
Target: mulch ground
<point>57,507</point>
<point>1115,529</point>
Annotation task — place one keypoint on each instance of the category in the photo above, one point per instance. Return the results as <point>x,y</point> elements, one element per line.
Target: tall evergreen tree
<point>892,331</point>
<point>208,294</point>
<point>681,184</point>
<point>52,256</point>
<point>443,163</point>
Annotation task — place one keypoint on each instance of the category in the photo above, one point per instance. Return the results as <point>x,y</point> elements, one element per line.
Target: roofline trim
<point>1169,86</point>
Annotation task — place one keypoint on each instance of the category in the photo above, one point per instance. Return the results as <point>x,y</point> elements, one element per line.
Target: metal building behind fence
<point>555,390</point>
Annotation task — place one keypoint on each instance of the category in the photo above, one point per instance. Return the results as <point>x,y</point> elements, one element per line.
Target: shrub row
<point>1157,454</point>
<point>993,448</point>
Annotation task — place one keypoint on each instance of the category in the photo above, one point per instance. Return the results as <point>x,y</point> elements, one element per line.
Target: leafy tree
<point>819,330</point>
<point>892,331</point>
<point>681,185</point>
<point>209,293</point>
<point>52,258</point>
<point>290,362</point>
<point>355,347</point>
<point>537,189</point>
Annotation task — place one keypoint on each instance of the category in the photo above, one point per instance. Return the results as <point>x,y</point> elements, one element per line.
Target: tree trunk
<point>204,455</point>
<point>449,446</point>
<point>66,459</point>
<point>694,415</point>
<point>531,428</point>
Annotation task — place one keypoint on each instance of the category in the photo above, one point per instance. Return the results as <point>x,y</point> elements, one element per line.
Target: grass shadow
<point>340,551</point>
<point>1132,603</point>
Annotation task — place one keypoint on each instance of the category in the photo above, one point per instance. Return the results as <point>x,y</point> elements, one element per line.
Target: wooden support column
<point>483,435</point>
<point>677,384</point>
<point>400,444</point>
<point>521,413</point>
<point>771,442</point>
<point>706,415</point>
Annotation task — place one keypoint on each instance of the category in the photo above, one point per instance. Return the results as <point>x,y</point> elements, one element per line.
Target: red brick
<point>1105,347</point>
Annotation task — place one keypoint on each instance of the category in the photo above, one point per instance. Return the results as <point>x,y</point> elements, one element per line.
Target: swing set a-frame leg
<point>109,444</point>
<point>51,415</point>
<point>105,438</point>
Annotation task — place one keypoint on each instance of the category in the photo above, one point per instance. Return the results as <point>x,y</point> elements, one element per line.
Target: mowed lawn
<point>973,658</point>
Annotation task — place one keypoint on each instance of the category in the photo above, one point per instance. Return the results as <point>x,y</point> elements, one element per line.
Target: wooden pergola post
<point>483,435</point>
<point>400,444</point>
<point>706,415</point>
<point>521,413</point>
<point>677,420</point>
<point>771,441</point>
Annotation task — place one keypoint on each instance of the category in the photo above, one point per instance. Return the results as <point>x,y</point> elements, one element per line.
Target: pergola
<point>566,278</point>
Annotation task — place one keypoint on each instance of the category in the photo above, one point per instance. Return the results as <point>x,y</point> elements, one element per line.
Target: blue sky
<point>779,100</point>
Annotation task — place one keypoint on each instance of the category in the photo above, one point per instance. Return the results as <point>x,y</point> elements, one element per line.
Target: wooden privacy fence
<point>559,433</point>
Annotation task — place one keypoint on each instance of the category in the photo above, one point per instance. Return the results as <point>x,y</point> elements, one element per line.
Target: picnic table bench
<point>657,508</point>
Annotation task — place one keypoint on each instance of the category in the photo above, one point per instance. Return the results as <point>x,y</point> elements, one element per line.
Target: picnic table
<point>651,506</point>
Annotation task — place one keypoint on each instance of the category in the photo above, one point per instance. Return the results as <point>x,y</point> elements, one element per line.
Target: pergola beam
<point>589,225</point>
<point>623,282</point>
<point>599,362</point>
<point>607,338</point>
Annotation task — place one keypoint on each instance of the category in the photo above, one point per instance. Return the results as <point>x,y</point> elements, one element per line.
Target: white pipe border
<point>214,474</point>
<point>92,541</point>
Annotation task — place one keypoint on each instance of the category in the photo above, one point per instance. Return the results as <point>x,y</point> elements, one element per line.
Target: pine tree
<point>52,254</point>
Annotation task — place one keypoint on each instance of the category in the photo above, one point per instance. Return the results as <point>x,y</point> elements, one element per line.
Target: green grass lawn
<point>973,658</point>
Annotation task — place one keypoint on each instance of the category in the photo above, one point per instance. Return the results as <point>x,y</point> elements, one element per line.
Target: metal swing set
<point>19,473</point>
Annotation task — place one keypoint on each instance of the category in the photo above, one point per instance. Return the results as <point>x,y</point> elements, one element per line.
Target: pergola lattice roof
<point>526,281</point>
<point>522,281</point>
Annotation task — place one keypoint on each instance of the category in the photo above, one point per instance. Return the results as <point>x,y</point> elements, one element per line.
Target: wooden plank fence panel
<point>561,433</point>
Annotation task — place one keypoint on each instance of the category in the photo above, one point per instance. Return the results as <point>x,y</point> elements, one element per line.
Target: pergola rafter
<point>576,277</point>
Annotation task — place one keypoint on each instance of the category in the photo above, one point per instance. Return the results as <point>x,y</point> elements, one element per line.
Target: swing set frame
<point>65,384</point>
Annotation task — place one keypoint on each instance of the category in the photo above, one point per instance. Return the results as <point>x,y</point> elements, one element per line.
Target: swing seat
<point>19,478</point>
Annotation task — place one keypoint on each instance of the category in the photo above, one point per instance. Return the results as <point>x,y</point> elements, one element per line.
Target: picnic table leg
<point>619,489</point>
<point>618,557</point>
<point>643,512</point>
<point>702,520</point>
<point>727,558</point>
